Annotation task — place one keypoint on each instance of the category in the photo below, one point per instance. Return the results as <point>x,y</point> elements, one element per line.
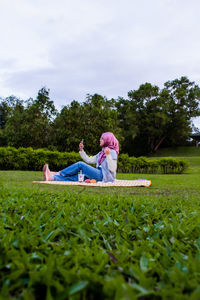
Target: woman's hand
<point>81,146</point>
<point>107,151</point>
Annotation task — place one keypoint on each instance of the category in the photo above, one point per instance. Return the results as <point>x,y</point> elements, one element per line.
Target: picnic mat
<point>122,183</point>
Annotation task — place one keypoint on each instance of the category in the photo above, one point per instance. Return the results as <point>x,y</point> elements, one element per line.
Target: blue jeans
<point>71,173</point>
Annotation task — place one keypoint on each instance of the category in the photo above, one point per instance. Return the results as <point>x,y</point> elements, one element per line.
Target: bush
<point>33,160</point>
<point>172,165</point>
<point>143,165</point>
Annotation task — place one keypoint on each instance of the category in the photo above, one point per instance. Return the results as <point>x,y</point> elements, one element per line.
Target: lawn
<point>187,151</point>
<point>60,242</point>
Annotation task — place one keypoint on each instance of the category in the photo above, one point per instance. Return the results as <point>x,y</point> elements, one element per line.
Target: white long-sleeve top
<point>109,165</point>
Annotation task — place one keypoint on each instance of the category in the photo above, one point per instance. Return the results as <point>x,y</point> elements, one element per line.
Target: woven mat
<point>122,183</point>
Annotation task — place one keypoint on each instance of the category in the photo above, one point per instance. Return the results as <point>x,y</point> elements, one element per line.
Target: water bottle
<point>80,176</point>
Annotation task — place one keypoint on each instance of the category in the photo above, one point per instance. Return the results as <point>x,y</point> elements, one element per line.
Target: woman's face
<point>101,142</point>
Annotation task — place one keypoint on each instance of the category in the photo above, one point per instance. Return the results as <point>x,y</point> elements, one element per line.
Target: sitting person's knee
<point>81,163</point>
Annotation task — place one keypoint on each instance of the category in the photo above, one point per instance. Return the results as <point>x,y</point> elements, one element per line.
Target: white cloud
<point>109,47</point>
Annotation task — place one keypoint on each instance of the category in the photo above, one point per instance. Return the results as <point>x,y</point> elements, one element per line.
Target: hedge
<point>167,165</point>
<point>33,160</point>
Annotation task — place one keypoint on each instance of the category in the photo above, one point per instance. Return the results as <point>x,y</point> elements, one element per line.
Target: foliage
<point>184,97</point>
<point>4,112</point>
<point>143,165</point>
<point>29,159</point>
<point>160,116</point>
<point>128,124</point>
<point>29,122</point>
<point>86,121</point>
<point>150,118</point>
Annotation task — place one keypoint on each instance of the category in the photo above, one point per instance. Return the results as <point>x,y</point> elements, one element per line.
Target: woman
<point>106,163</point>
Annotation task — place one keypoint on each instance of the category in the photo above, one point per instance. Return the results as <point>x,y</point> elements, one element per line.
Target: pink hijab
<point>111,142</point>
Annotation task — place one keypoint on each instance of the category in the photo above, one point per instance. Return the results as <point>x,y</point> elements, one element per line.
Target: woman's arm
<point>112,163</point>
<point>85,157</point>
<point>88,159</point>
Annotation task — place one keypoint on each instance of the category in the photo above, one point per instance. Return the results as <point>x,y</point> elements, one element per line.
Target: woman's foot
<point>46,173</point>
<point>54,173</point>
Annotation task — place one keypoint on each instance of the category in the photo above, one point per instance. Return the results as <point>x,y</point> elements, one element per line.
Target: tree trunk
<point>160,142</point>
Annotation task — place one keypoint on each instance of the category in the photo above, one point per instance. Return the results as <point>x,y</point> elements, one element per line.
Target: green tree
<point>183,98</point>
<point>12,128</point>
<point>6,106</point>
<point>87,120</point>
<point>147,117</point>
<point>4,112</point>
<point>127,123</point>
<point>30,122</point>
<point>67,129</point>
<point>161,117</point>
<point>100,116</point>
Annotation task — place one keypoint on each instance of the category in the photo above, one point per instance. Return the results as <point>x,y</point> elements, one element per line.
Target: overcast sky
<point>75,47</point>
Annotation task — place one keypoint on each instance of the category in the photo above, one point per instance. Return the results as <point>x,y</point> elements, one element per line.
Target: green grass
<point>61,242</point>
<point>178,151</point>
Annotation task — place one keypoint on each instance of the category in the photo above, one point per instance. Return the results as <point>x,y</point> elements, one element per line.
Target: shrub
<point>33,160</point>
<point>143,165</point>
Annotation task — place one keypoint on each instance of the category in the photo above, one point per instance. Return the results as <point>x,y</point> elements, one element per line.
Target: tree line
<point>149,118</point>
